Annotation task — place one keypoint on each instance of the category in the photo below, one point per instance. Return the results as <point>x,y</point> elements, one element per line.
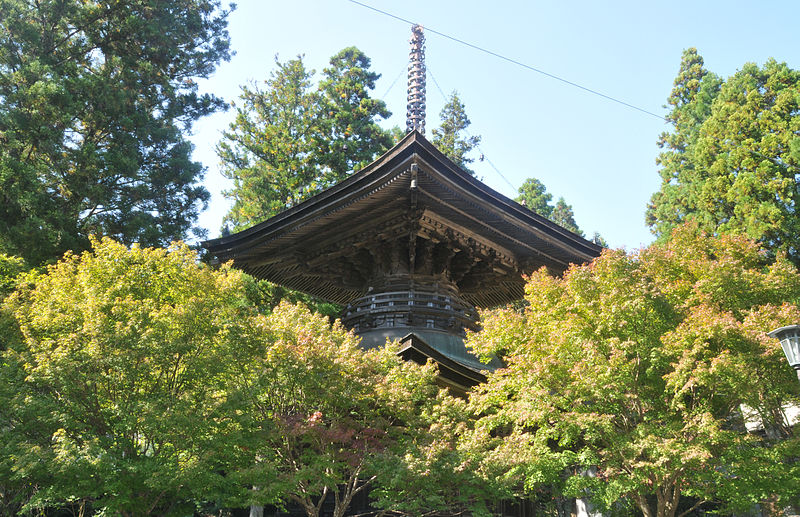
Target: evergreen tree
<point>599,240</point>
<point>735,159</point>
<point>353,137</point>
<point>448,136</point>
<point>694,90</point>
<point>563,216</point>
<point>268,150</point>
<point>94,103</point>
<point>749,151</point>
<point>534,196</point>
<point>290,140</point>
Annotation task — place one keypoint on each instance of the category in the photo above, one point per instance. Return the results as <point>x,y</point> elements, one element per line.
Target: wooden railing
<point>412,309</point>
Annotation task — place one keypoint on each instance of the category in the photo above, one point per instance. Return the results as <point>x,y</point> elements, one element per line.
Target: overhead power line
<point>510,60</point>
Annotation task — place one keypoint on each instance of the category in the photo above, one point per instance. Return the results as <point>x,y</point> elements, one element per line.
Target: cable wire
<point>403,71</point>
<point>513,61</point>
<point>483,155</point>
<point>444,97</point>
<point>487,160</point>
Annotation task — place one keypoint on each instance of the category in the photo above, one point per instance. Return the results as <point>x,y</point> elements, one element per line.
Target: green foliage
<point>563,216</point>
<point>268,150</point>
<point>10,268</point>
<point>323,416</point>
<point>448,136</point>
<point>640,365</point>
<point>96,98</point>
<point>142,382</point>
<point>119,380</point>
<point>15,413</point>
<point>434,473</point>
<point>352,136</point>
<point>22,422</point>
<point>533,195</point>
<point>266,296</point>
<point>290,141</point>
<point>13,492</point>
<point>732,159</point>
<point>691,97</point>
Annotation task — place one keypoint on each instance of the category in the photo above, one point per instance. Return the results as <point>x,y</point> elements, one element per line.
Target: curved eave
<point>347,190</point>
<point>492,200</point>
<point>380,171</point>
<point>382,190</point>
<point>456,374</point>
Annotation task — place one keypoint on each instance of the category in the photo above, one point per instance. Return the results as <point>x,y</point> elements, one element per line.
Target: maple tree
<point>640,365</point>
<point>324,416</point>
<point>14,492</point>
<point>117,374</point>
<point>139,381</point>
<point>434,474</point>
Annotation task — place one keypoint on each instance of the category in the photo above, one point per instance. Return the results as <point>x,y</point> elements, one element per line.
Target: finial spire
<point>415,115</point>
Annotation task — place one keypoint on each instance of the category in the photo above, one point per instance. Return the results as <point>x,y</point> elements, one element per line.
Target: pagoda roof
<point>413,190</point>
<point>454,374</point>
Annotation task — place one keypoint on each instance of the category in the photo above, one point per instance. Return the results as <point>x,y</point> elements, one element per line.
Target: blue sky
<point>597,154</point>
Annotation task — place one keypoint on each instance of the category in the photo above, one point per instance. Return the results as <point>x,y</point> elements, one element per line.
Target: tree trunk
<point>343,499</point>
<point>311,508</point>
<point>668,498</point>
<point>641,502</point>
<point>256,510</point>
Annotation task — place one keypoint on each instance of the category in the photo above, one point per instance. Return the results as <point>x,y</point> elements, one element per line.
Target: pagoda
<point>411,246</point>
